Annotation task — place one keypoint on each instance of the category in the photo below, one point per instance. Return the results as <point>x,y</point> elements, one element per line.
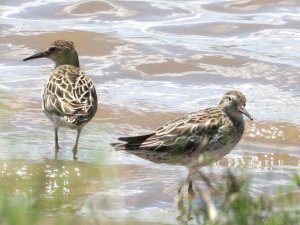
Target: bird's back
<point>69,97</point>
<point>180,140</point>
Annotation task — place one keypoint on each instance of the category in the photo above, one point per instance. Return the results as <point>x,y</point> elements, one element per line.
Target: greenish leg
<point>206,180</point>
<point>191,196</point>
<point>191,190</point>
<point>56,140</point>
<point>180,196</point>
<point>75,148</point>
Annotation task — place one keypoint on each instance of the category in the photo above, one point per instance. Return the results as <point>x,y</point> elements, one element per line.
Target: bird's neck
<point>236,118</point>
<point>69,60</point>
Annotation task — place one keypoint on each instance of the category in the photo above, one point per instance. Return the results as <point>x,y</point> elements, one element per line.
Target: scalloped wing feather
<point>71,94</point>
<point>186,133</point>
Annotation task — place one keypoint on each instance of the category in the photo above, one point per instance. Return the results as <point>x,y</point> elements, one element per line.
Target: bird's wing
<point>70,93</point>
<point>186,133</point>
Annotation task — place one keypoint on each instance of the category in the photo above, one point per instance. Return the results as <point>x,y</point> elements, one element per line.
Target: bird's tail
<point>132,142</point>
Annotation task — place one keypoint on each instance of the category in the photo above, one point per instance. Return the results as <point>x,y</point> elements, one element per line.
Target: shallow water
<point>151,61</point>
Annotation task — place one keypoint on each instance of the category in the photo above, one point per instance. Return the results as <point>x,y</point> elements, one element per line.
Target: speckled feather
<point>62,44</point>
<point>183,140</point>
<point>71,95</point>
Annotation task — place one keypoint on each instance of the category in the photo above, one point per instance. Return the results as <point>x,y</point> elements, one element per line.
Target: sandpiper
<point>196,139</point>
<point>69,96</point>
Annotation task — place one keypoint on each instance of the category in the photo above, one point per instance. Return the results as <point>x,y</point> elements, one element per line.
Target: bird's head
<point>61,52</point>
<point>233,104</point>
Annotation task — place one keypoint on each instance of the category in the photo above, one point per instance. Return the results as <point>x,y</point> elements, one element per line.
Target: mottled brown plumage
<point>69,96</point>
<point>63,44</point>
<point>194,140</point>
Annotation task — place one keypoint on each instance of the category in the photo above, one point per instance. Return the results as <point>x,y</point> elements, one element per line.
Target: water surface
<point>151,61</point>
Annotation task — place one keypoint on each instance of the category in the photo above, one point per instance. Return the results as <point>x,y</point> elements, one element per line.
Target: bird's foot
<point>75,153</point>
<point>56,150</point>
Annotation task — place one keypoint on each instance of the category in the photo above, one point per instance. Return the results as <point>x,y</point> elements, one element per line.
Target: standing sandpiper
<point>196,139</point>
<point>69,96</point>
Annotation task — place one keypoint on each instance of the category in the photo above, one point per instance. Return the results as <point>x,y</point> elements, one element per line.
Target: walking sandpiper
<point>196,139</point>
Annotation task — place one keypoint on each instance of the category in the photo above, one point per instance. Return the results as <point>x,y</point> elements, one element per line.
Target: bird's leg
<point>191,196</point>
<point>191,191</point>
<point>190,188</point>
<point>180,195</point>
<point>213,188</point>
<point>75,148</point>
<point>205,179</point>
<point>56,140</point>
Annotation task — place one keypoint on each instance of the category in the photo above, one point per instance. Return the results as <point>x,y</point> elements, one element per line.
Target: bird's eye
<point>52,49</point>
<point>229,99</point>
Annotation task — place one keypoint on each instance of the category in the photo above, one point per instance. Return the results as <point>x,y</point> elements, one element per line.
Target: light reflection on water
<point>149,67</point>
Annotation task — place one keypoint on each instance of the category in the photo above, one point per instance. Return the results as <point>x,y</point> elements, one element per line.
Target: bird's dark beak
<point>36,56</point>
<point>245,112</point>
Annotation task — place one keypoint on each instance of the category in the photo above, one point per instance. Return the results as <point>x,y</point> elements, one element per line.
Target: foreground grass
<point>21,208</point>
<point>237,206</point>
<point>233,204</point>
<point>240,207</point>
